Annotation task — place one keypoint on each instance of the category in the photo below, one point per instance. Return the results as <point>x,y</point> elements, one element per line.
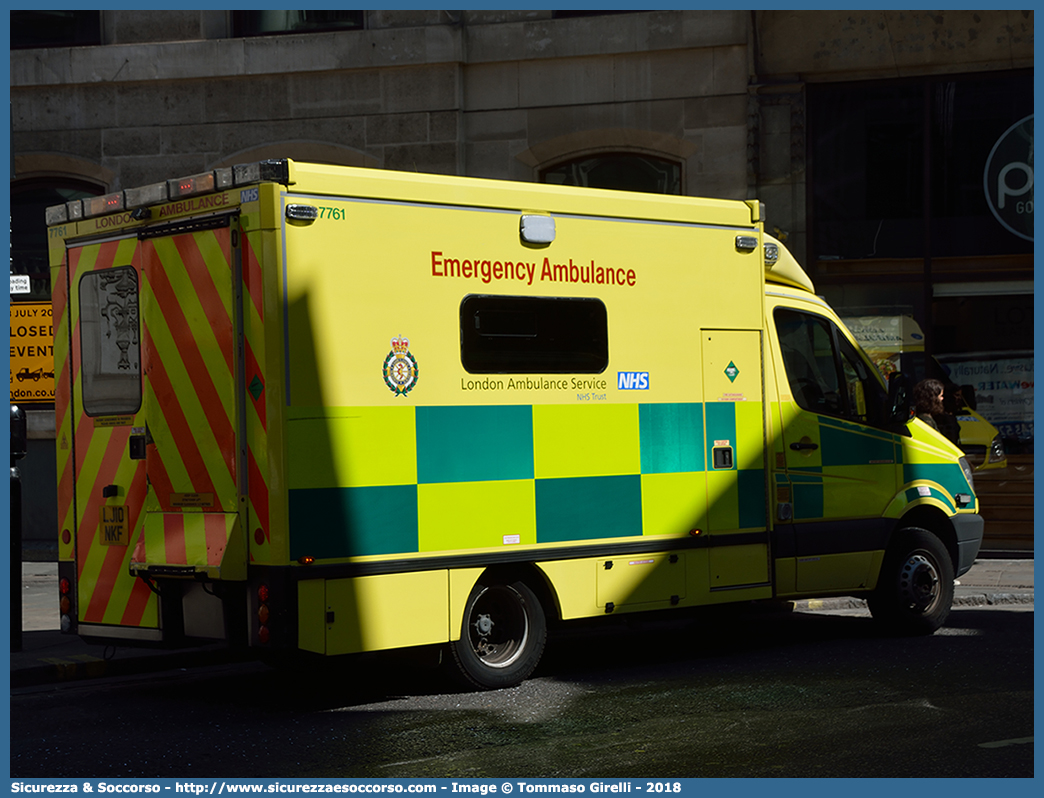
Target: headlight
<point>996,452</point>
<point>967,469</point>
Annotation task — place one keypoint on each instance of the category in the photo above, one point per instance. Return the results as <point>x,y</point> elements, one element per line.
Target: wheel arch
<point>529,573</point>
<point>534,577</point>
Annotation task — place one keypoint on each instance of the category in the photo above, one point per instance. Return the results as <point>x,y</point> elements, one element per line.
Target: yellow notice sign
<point>192,500</point>
<point>32,353</point>
<point>114,529</point>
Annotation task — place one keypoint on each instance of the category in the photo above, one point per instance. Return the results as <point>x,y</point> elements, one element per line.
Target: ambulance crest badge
<point>400,367</point>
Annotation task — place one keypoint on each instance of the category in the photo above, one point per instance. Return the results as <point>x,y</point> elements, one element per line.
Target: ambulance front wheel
<point>915,589</point>
<point>502,635</point>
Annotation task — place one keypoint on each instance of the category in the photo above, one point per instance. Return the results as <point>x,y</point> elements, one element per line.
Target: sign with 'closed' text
<point>32,353</point>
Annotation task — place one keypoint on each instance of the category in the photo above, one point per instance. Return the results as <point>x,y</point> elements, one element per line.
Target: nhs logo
<point>632,380</point>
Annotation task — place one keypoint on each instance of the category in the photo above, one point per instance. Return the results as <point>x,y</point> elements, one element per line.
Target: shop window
<point>985,340</point>
<point>983,323</point>
<point>624,171</point>
<point>898,165</point>
<point>533,335</point>
<point>267,23</point>
<point>55,29</point>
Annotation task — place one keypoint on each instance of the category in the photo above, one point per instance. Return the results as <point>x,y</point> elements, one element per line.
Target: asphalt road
<point>715,694</point>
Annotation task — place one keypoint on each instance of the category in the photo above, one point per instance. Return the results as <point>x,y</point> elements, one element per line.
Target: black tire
<point>915,589</point>
<point>502,636</point>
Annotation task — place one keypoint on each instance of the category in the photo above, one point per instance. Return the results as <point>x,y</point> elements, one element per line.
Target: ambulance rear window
<point>533,335</point>
<point>109,350</point>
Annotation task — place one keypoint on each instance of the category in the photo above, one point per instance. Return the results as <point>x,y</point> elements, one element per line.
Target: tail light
<point>65,603</point>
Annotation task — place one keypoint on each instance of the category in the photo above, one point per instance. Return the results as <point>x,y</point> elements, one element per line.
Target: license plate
<point>114,529</point>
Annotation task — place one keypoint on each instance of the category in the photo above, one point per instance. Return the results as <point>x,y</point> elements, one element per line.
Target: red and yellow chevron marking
<point>189,364</point>
<point>92,455</point>
<point>114,591</point>
<point>209,542</point>
<point>182,501</point>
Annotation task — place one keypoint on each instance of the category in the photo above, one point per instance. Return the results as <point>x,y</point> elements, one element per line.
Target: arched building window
<point>621,170</point>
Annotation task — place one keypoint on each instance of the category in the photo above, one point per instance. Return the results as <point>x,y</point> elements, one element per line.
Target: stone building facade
<point>720,100</point>
<point>501,94</point>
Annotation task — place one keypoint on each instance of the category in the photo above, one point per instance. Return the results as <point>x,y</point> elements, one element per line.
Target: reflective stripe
<point>258,532</point>
<point>198,540</point>
<point>92,455</point>
<point>189,367</point>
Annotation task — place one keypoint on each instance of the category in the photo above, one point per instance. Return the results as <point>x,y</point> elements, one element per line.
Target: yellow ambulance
<point>323,409</point>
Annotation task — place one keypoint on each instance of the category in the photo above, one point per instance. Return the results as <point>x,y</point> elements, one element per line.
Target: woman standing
<point>928,406</point>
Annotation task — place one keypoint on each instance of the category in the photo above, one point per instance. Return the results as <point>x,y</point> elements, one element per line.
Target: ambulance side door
<point>839,457</point>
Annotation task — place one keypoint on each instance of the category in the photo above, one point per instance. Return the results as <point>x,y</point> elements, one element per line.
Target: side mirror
<point>968,394</point>
<point>899,397</point>
<point>19,434</point>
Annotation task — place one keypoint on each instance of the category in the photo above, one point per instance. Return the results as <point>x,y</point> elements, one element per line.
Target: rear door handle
<point>137,447</point>
<point>797,447</point>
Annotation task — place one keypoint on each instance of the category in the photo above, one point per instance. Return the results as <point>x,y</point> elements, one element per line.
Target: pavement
<point>43,655</point>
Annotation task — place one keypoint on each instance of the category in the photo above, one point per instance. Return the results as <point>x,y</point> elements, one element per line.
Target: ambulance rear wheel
<point>502,636</point>
<point>915,589</point>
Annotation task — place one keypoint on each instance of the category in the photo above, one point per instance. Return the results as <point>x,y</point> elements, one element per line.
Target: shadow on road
<point>708,694</point>
<point>708,641</point>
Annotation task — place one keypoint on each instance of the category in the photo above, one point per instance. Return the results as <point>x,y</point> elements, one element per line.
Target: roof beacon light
<point>152,194</point>
<point>191,185</point>
<point>96,206</point>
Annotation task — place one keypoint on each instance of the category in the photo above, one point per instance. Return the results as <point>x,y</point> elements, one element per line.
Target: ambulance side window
<point>109,351</point>
<point>808,356</point>
<point>533,335</point>
<point>825,372</point>
<point>866,397</point>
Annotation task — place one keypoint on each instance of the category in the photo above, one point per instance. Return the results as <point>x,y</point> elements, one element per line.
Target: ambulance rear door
<point>155,418</point>
<point>192,361</point>
<point>102,498</point>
